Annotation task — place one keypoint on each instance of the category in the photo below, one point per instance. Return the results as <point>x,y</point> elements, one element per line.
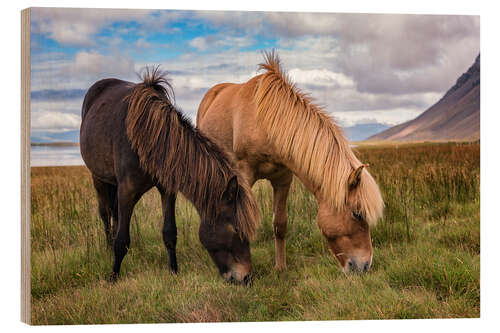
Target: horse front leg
<point>281,188</point>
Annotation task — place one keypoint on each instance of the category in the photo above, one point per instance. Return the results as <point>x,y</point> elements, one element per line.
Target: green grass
<point>426,252</point>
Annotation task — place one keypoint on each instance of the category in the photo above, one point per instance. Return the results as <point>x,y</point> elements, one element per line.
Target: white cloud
<point>234,20</point>
<point>387,117</point>
<point>54,121</point>
<point>360,66</point>
<point>199,43</point>
<point>321,77</point>
<point>85,68</point>
<point>94,63</point>
<point>143,44</point>
<point>79,26</point>
<point>194,74</point>
<point>211,41</point>
<point>73,106</point>
<point>237,41</point>
<point>375,50</point>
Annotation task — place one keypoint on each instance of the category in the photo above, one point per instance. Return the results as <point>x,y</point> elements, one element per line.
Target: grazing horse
<point>132,139</point>
<point>274,131</point>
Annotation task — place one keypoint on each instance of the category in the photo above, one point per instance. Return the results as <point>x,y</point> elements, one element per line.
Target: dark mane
<point>153,77</point>
<point>179,157</point>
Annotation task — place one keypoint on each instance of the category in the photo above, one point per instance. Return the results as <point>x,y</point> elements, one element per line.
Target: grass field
<point>426,252</point>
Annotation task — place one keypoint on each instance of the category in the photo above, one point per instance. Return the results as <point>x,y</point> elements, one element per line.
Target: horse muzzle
<point>357,265</point>
<point>239,274</point>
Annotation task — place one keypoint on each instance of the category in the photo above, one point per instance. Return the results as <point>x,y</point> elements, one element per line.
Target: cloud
<point>350,99</point>
<point>241,21</point>
<point>63,105</point>
<point>382,53</point>
<point>359,66</point>
<point>221,40</point>
<point>94,63</point>
<point>79,26</point>
<point>302,23</point>
<point>406,53</point>
<point>397,116</point>
<point>199,43</point>
<point>320,77</point>
<point>55,121</point>
<point>59,85</point>
<point>143,44</point>
<point>80,71</point>
<point>55,95</point>
<point>193,74</point>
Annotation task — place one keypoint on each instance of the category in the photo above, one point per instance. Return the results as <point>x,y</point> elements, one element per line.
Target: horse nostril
<point>247,280</point>
<point>351,265</point>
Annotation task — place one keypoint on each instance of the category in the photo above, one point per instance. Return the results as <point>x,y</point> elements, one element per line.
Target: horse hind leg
<point>169,230</point>
<point>128,195</point>
<point>106,197</point>
<point>281,188</point>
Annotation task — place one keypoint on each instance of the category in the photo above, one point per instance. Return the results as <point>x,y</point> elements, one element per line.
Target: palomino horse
<point>275,131</point>
<point>132,139</point>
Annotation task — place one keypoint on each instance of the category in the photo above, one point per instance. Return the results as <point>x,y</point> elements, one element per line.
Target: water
<point>55,156</point>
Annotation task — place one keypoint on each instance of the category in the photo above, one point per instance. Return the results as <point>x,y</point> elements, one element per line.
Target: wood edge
<point>25,166</point>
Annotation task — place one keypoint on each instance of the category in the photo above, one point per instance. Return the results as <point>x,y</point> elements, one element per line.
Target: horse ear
<point>355,176</point>
<point>231,190</point>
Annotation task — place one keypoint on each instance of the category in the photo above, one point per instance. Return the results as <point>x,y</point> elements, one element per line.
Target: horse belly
<point>267,169</point>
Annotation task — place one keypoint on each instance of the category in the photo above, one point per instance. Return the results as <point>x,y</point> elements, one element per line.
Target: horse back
<point>209,98</point>
<point>96,90</point>
<point>227,115</point>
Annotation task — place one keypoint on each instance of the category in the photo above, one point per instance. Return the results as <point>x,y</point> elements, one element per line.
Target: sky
<point>362,68</point>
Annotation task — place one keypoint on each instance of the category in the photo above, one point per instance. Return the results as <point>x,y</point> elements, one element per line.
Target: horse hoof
<point>280,268</point>
<point>113,277</point>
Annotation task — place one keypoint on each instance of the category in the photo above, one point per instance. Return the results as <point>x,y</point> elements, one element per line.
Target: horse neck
<point>316,189</point>
<point>200,189</point>
<point>204,210</point>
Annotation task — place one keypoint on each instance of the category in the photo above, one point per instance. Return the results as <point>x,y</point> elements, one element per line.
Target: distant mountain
<point>361,132</point>
<point>48,137</point>
<point>454,117</point>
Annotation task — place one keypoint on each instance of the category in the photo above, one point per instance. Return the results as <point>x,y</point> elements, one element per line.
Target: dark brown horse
<point>132,139</point>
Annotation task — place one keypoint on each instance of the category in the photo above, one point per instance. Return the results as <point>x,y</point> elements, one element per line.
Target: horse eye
<point>357,216</point>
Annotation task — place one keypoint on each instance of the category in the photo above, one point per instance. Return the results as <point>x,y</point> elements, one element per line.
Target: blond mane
<point>302,132</point>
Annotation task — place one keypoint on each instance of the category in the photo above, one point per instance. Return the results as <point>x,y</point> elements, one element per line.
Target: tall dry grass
<point>426,259</point>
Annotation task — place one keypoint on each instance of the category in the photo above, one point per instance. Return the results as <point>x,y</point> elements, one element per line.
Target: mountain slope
<point>454,117</point>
